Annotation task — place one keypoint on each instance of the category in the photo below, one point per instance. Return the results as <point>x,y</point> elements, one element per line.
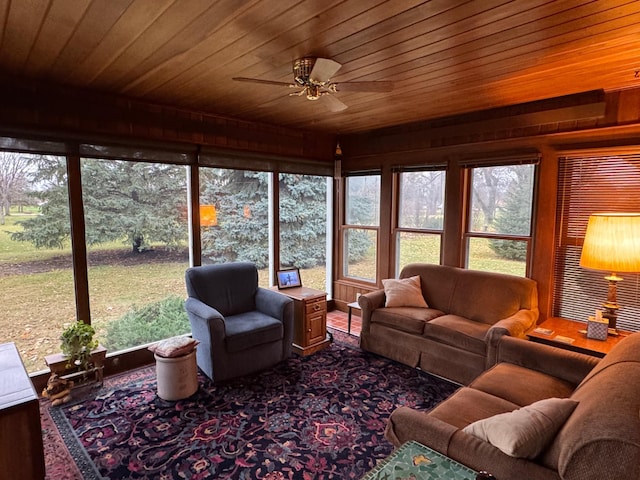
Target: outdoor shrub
<point>147,324</point>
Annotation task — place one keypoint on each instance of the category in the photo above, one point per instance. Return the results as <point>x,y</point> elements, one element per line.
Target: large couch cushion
<point>405,319</point>
<point>513,383</point>
<point>525,432</point>
<point>458,331</point>
<point>495,296</point>
<point>468,405</point>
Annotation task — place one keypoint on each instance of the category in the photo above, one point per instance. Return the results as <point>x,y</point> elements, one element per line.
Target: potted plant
<point>77,344</point>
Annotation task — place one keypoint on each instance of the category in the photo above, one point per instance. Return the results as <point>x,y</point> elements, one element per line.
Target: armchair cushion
<point>251,329</point>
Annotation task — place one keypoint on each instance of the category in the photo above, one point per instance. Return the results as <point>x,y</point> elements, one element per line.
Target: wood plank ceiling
<point>444,56</point>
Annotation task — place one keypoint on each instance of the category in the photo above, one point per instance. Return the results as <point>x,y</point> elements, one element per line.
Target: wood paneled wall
<point>65,112</point>
<point>588,120</point>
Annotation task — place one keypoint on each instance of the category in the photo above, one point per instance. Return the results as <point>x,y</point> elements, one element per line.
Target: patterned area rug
<point>317,417</point>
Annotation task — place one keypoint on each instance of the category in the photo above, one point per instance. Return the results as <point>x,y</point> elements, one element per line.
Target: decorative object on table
<point>612,244</point>
<point>81,355</point>
<point>77,344</point>
<point>414,460</point>
<point>288,278</point>
<point>597,326</point>
<point>58,390</point>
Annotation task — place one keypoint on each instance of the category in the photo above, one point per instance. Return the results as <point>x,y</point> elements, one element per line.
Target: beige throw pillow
<point>524,433</point>
<point>404,292</point>
<point>174,347</point>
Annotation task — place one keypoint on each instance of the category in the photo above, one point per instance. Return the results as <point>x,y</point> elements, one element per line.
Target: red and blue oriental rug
<point>318,417</point>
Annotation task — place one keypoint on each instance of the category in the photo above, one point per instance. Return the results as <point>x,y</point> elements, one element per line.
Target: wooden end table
<point>571,335</point>
<point>310,319</point>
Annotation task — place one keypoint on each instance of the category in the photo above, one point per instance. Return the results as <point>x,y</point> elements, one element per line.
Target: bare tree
<point>14,176</point>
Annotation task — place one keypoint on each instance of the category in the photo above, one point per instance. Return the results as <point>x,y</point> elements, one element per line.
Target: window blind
<point>586,185</point>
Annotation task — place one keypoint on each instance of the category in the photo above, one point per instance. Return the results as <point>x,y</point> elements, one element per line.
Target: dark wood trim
<point>78,239</point>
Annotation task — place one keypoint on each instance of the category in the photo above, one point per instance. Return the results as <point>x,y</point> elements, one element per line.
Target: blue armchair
<point>242,328</point>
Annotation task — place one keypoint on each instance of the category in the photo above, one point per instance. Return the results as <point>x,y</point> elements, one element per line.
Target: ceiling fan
<point>312,76</point>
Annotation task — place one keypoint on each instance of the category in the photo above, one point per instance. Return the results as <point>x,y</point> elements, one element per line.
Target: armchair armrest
<point>273,303</point>
<point>368,303</point>
<point>278,306</point>
<point>516,325</point>
<point>204,317</point>
<point>560,363</point>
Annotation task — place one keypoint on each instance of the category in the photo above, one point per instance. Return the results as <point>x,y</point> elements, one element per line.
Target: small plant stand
<point>58,364</point>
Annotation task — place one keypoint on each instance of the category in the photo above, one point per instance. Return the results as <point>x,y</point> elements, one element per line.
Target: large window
<point>240,230</point>
<point>304,219</point>
<point>137,238</point>
<point>593,184</point>
<point>36,276</point>
<point>362,221</point>
<point>498,234</point>
<point>420,217</point>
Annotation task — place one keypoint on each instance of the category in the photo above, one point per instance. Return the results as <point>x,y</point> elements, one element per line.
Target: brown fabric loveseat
<point>455,337</point>
<point>600,440</point>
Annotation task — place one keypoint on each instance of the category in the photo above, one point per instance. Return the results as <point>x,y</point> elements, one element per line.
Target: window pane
<point>36,277</point>
<point>417,247</point>
<point>422,200</point>
<point>363,200</point>
<point>501,199</point>
<point>482,256</point>
<point>303,227</point>
<point>360,248</point>
<point>137,238</point>
<point>241,228</point>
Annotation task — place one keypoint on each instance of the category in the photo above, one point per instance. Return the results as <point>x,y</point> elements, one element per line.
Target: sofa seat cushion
<point>459,332</point>
<point>251,329</point>
<point>513,383</point>
<point>405,319</point>
<point>468,405</point>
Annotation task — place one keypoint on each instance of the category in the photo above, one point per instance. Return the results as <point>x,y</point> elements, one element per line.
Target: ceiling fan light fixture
<point>302,69</point>
<point>313,92</point>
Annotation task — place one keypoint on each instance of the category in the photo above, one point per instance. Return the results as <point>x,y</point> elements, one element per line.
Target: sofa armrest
<point>408,424</point>
<point>554,361</point>
<point>368,303</point>
<point>516,325</point>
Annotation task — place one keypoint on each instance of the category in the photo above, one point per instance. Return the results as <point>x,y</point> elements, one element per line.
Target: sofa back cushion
<point>601,439</point>
<point>485,297</point>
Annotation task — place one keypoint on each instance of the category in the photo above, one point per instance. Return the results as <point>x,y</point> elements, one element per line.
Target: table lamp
<point>612,244</point>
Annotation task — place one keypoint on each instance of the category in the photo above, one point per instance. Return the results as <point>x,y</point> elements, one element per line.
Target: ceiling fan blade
<point>364,87</point>
<point>264,82</point>
<point>323,70</point>
<point>332,103</point>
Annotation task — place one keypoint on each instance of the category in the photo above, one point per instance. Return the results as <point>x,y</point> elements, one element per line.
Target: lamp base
<point>611,314</point>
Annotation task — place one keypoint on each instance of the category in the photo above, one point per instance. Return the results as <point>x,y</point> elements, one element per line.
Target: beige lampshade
<point>612,242</point>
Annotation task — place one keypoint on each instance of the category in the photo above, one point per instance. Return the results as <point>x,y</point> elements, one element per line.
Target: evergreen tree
<point>138,203</point>
<point>514,217</point>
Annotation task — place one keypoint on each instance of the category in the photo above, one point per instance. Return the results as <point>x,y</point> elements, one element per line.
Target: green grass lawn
<point>38,306</point>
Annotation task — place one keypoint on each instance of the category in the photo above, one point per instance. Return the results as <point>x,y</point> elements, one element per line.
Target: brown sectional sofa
<point>599,441</point>
<point>469,311</point>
